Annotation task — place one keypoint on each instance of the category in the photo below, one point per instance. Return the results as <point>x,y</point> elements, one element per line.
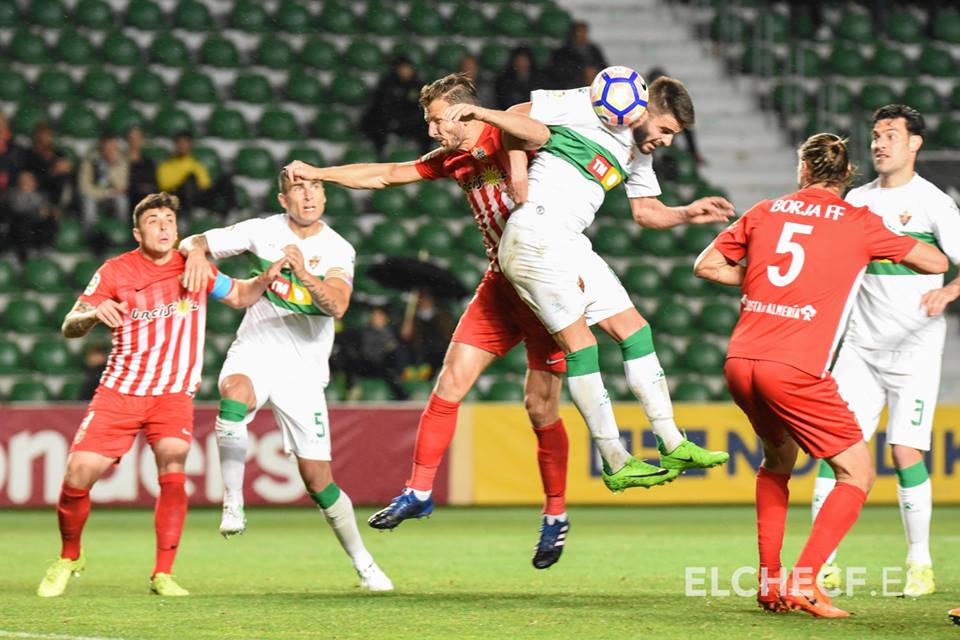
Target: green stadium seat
<point>616,206</point>
<point>704,190</point>
<point>52,357</point>
<point>203,224</point>
<point>9,14</point>
<point>212,358</point>
<point>892,62</point>
<point>504,391</point>
<point>334,126</point>
<point>253,88</point>
<point>320,54</point>
<point>681,280</point>
<point>424,19</point>
<point>347,89</point>
<point>71,238</point>
<point>436,240</point>
<point>494,56</point>
<point>553,23</point>
<point>24,315</point>
<point>223,319</point>
<point>389,238</point>
<point>685,165</point>
<point>803,60</point>
<point>903,26</point>
<point>761,60</point>
<point>227,123</point>
<point>846,60</point>
<point>61,309</point>
<point>413,50</point>
<point>610,239</point>
<point>82,273</point>
<point>196,86</point>
<point>44,275</point>
<point>837,96</point>
<point>305,89</point>
<point>434,200</point>
<point>696,238</point>
<point>350,232</point>
<point>170,51</point>
<point>718,318</point>
<point>512,23</point>
<point>71,391</point>
<point>54,84</point>
<point>13,86</point>
<point>856,26</point>
<point>337,18</point>
<point>100,86</point>
<point>448,55</point>
<point>936,61</point>
<point>657,242</point>
<point>74,48</point>
<point>11,359</point>
<point>120,50</point>
<point>358,153</point>
<point>146,15</point>
<point>391,202</point>
<point>94,14</point>
<point>467,273</point>
<point>123,117</point>
<point>948,133</point>
<point>339,201</point>
<point>790,97</point>
<point>402,151</point>
<point>274,52</point>
<point>292,17</point>
<point>364,55</point>
<point>29,391</point>
<point>470,240</point>
<point>704,357</point>
<point>279,125</point>
<point>210,159</point>
<point>78,121</point>
<point>9,277</point>
<point>876,94</point>
<point>170,120</point>
<point>946,26</point>
<point>250,16</point>
<point>541,54</point>
<point>28,48</point>
<point>116,233</point>
<point>673,318</point>
<point>643,280</point>
<point>383,20</point>
<point>692,391</point>
<point>217,51</point>
<point>727,26</point>
<point>191,15</point>
<point>310,155</point>
<point>156,153</point>
<point>923,98</point>
<point>668,356</point>
<point>418,390</point>
<point>28,115</point>
<point>374,390</point>
<point>955,98</point>
<point>255,162</point>
<point>51,14</point>
<point>467,21</point>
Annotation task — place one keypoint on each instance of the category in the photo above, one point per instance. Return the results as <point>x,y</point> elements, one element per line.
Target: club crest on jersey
<point>313,262</point>
<point>182,307</point>
<point>479,153</point>
<point>605,173</point>
<point>905,218</point>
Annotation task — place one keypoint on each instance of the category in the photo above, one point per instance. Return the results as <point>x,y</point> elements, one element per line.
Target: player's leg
<point>237,400</point>
<point>170,511</point>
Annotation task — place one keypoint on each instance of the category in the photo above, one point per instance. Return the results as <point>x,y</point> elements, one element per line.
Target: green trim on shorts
<point>326,498</point>
<point>638,345</point>
<point>232,410</point>
<point>913,475</point>
<point>825,471</point>
<point>583,362</point>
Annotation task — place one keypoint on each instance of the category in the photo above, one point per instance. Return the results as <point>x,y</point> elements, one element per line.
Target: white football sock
<point>648,383</point>
<point>232,442</point>
<point>916,507</point>
<point>821,489</point>
<point>343,521</point>
<point>420,494</point>
<point>594,405</point>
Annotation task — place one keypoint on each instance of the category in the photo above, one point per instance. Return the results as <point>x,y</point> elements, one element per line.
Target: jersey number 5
<point>786,245</point>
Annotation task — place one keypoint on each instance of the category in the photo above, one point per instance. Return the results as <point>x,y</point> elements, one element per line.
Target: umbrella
<point>408,274</point>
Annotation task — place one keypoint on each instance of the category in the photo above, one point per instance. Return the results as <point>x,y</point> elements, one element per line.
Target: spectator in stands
<point>470,66</point>
<point>569,63</point>
<point>32,219</point>
<point>188,178</point>
<point>372,351</point>
<point>11,157</point>
<point>517,79</point>
<point>51,167</point>
<point>688,133</point>
<point>94,360</point>
<point>394,108</point>
<point>103,180</point>
<point>427,333</point>
<point>143,170</point>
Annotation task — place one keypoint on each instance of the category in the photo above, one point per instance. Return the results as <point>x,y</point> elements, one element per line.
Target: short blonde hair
<point>455,88</point>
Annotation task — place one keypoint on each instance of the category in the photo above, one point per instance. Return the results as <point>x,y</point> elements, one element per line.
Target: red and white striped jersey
<point>483,173</point>
<point>159,347</point>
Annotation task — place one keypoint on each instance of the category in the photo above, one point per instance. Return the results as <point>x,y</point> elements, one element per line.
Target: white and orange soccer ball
<point>619,96</point>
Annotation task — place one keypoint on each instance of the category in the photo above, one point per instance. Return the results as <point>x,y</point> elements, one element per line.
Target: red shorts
<point>114,419</point>
<point>496,320</point>
<point>781,400</point>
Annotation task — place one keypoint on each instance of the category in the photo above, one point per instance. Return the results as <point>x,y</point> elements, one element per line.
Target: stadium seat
<point>253,88</point>
<point>696,238</point>
<point>889,61</point>
<point>51,14</point>
<point>418,390</point>
<point>278,125</point>
<point>274,52</point>
<point>122,118</point>
<point>424,19</point>
<point>196,86</point>
<point>71,390</point>
<point>54,85</point>
<point>469,22</point>
<point>100,86</point>
<point>389,238</point>
<point>611,360</point>
<point>673,318</point>
<point>668,356</point>
<point>615,206</point>
<point>365,55</point>
<point>146,15</point>
<point>876,94</point>
<point>337,18</point>
<point>115,233</point>
<point>24,315</point>
<point>790,97</point>
<point>82,273</point>
<point>333,126</point>
<point>856,26</point>
<point>26,118</point>
<point>255,162</point>
<point>704,357</point>
<point>657,242</point>
<point>903,26</point>
<point>319,54</point>
<point>44,275</point>
<point>946,26</point>
<point>212,358</point>
<point>61,309</point>
<point>292,17</point>
<point>692,391</point>
<point>120,50</point>
<point>78,121</point>
<point>436,240</point>
<point>217,51</point>
<point>350,232</point>
<point>94,14</point>
<point>413,50</point>
<point>9,277</point>
<point>685,165</point>
<point>494,57</point>
<point>250,16</point>
<point>727,26</point>
<point>923,98</point>
<point>347,89</point>
<point>643,280</point>
<point>512,23</point>
<point>775,27</point>
<point>846,60</point>
<point>718,318</point>
<point>303,88</point>
<point>837,97</point>
<point>448,55</point>
<point>29,391</point>
<point>71,237</point>
<point>13,86</point>
<point>433,200</point>
<point>191,15</point>
<point>936,61</point>
<point>553,23</point>
<point>310,155</point>
<point>28,48</point>
<point>359,153</point>
<point>52,357</point>
<point>761,60</point>
<point>611,239</point>
<point>203,224</point>
<point>955,98</point>
<point>169,51</point>
<point>227,123</point>
<point>170,120</point>
<point>210,159</point>
<point>467,273</point>
<point>681,280</point>
<point>223,319</point>
<point>504,391</point>
<point>339,201</point>
<point>383,20</point>
<point>74,48</point>
<point>948,133</point>
<point>470,240</point>
<point>11,360</point>
<point>373,390</point>
<point>803,60</point>
<point>391,202</point>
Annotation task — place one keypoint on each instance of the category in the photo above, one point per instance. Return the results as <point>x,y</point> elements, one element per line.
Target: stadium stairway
<point>746,153</point>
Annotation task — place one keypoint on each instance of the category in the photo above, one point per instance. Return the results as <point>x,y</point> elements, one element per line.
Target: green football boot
<point>163,584</point>
<point>689,456</point>
<point>636,473</point>
<point>55,581</point>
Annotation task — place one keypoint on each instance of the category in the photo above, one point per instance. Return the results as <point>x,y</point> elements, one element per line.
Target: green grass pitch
<point>464,573</point>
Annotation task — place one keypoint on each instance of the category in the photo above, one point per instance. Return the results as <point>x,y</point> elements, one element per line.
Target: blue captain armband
<point>222,286</point>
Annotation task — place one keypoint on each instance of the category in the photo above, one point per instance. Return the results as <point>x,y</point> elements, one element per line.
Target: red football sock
<point>72,511</point>
<point>773,496</point>
<point>552,448</point>
<point>168,517</point>
<point>437,424</point>
<point>838,513</point>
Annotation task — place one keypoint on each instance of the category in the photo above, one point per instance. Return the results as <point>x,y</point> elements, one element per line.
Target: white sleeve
<point>559,107</point>
<point>946,227</point>
<point>642,181</point>
<point>344,262</point>
<point>232,240</point>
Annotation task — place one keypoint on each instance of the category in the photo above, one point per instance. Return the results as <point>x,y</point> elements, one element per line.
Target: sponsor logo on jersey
<point>794,312</point>
<point>479,153</point>
<point>291,291</point>
<point>92,286</point>
<point>182,307</point>
<point>601,169</point>
<point>905,218</point>
<point>313,261</point>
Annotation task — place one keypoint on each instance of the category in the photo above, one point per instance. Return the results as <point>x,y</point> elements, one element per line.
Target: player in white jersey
<point>550,262</point>
<point>893,347</point>
<point>281,354</point>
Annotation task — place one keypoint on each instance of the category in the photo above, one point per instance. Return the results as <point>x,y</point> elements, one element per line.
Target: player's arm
<point>520,131</point>
<point>649,212</point>
<point>947,231</point>
<point>926,258</point>
<point>714,266</point>
<point>84,316</point>
<point>331,295</point>
<point>196,271</point>
<point>374,175</point>
<point>241,294</point>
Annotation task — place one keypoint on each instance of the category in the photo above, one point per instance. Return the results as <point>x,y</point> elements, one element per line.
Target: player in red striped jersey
<point>474,152</point>
<point>148,384</point>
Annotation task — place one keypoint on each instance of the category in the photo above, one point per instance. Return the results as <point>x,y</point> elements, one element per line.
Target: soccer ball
<point>619,96</point>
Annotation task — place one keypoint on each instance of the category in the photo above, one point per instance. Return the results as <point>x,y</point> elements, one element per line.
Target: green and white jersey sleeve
<point>887,312</point>
<point>285,320</point>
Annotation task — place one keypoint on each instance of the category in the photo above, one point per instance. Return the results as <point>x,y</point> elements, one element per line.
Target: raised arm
<point>331,295</point>
<point>377,175</point>
<point>196,271</point>
<point>520,130</point>
<point>246,292</point>
<point>649,212</point>
<point>714,266</point>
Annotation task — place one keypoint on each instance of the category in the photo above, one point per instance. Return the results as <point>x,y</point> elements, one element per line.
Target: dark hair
<point>668,95</point>
<point>162,200</point>
<point>914,121</point>
<point>183,133</point>
<point>455,88</point>
<point>827,160</point>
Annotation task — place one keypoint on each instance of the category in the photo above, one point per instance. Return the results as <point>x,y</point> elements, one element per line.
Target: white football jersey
<point>887,312</point>
<point>285,318</point>
<point>584,158</point>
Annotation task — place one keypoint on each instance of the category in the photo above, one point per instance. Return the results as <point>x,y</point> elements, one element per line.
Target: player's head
<point>155,223</point>
<point>824,161</point>
<point>669,111</point>
<point>183,143</point>
<point>435,97</point>
<point>897,137</point>
<point>303,200</point>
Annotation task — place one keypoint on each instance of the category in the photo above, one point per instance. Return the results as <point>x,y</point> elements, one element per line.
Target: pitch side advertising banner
<point>372,449</point>
<point>495,459</point>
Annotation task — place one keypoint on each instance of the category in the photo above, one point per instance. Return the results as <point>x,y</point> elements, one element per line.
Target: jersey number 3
<point>786,244</point>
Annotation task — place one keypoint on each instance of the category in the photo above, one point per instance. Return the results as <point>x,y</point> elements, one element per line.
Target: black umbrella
<point>408,274</point>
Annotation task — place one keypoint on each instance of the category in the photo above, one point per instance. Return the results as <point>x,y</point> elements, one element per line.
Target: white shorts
<point>907,382</point>
<point>294,395</point>
<point>547,264</point>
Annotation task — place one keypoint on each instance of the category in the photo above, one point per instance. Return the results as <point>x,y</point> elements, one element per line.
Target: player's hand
<point>196,272</point>
<point>273,272</point>
<point>710,209</point>
<point>300,170</point>
<point>294,259</point>
<point>464,112</point>
<point>936,300</point>
<point>111,312</point>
